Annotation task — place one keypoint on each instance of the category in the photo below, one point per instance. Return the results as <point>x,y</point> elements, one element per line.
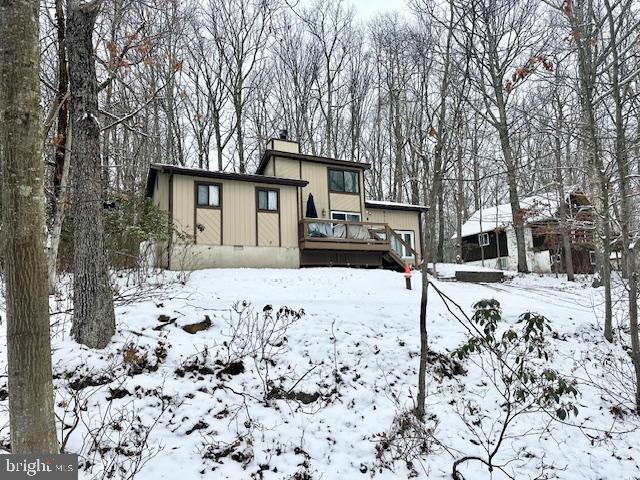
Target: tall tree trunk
<point>626,213</point>
<point>218,135</point>
<point>514,199</point>
<point>31,414</point>
<point>564,217</point>
<point>398,144</point>
<point>93,315</point>
<point>502,124</point>
<point>61,153</point>
<point>460,203</point>
<point>429,227</point>
<point>580,19</point>
<point>58,217</point>
<point>237,102</point>
<point>63,112</point>
<point>440,244</point>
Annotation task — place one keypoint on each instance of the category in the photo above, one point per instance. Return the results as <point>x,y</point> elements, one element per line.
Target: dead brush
<point>138,359</point>
<point>407,440</point>
<point>135,359</point>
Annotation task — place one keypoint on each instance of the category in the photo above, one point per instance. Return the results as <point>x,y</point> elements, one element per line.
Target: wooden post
<point>407,276</point>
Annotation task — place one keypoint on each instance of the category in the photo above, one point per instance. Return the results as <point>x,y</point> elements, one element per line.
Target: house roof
<point>537,207</point>
<point>307,158</point>
<point>394,206</point>
<point>154,168</point>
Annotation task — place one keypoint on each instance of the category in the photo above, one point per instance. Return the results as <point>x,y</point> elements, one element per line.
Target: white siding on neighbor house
<point>538,262</point>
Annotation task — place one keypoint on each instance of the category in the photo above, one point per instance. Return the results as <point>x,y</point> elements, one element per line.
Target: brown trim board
<point>195,172</point>
<point>308,158</point>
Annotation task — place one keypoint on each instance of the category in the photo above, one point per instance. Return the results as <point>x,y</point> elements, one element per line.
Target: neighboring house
<point>489,239</point>
<point>296,210</point>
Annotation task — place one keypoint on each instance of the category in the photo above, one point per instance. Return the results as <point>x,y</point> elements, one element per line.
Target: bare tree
<point>580,16</point>
<point>558,133</point>
<point>31,413</point>
<point>617,17</point>
<point>240,30</point>
<point>439,130</point>
<point>329,22</point>
<point>504,40</point>
<point>93,314</point>
<point>61,155</point>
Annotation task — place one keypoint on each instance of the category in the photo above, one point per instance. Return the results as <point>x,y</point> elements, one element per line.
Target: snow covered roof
<point>394,205</point>
<point>536,207</point>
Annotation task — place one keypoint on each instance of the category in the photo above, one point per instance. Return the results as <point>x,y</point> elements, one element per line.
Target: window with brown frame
<point>208,195</point>
<point>343,181</point>
<point>267,200</point>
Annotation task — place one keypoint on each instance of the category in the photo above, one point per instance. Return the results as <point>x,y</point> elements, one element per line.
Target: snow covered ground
<point>200,417</point>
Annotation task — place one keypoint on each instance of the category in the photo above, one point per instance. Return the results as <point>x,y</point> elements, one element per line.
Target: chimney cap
<point>283,134</point>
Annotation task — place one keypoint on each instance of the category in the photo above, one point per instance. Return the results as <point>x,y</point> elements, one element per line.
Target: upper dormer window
<point>343,181</point>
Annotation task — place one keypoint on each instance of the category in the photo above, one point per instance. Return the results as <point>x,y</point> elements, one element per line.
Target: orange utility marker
<point>407,275</point>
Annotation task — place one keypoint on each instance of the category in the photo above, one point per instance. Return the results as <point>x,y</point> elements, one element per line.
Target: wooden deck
<point>343,242</point>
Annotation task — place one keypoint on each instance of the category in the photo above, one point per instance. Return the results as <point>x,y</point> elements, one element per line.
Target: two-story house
<point>296,210</point>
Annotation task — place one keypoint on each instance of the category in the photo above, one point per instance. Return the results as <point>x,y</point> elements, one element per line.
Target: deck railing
<point>316,232</point>
<point>399,247</point>
<point>343,231</point>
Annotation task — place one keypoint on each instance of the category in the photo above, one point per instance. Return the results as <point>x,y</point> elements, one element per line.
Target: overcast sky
<point>365,9</point>
<point>369,8</point>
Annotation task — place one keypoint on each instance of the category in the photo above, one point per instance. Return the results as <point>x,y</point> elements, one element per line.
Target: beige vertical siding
<point>345,202</point>
<point>286,167</point>
<point>268,229</point>
<point>375,215</point>
<point>237,219</point>
<point>397,220</point>
<point>239,213</point>
<point>289,216</point>
<point>283,145</point>
<point>208,226</point>
<point>316,175</point>
<point>161,191</point>
<point>268,169</point>
<point>183,204</point>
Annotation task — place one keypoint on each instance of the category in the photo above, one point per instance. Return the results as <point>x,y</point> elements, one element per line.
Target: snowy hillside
<point>319,402</point>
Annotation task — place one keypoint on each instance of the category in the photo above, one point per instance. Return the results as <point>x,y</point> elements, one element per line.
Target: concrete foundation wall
<point>196,257</point>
